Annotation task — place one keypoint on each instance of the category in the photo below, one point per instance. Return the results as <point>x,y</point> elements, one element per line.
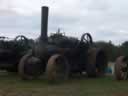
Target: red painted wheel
<point>57,68</point>
<point>120,68</point>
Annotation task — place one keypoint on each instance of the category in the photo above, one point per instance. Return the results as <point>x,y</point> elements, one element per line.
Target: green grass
<point>11,85</point>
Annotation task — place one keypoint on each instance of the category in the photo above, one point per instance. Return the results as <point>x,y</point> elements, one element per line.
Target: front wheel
<point>30,67</point>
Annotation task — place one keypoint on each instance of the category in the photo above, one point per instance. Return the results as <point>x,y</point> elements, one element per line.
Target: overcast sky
<point>104,19</point>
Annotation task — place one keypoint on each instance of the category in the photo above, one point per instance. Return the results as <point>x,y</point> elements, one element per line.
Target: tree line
<point>113,51</point>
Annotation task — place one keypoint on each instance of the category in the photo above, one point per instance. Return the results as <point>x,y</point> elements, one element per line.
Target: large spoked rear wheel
<point>57,68</point>
<point>91,64</point>
<point>101,62</point>
<point>30,67</point>
<point>120,69</point>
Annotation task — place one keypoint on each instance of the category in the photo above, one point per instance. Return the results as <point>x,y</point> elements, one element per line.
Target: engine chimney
<point>44,23</point>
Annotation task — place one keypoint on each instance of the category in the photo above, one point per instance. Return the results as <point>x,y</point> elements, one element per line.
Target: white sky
<point>104,19</point>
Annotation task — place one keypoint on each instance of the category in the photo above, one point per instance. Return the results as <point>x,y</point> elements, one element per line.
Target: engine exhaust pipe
<point>44,23</point>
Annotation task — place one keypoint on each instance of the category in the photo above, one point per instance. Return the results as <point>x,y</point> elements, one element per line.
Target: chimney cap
<point>44,6</point>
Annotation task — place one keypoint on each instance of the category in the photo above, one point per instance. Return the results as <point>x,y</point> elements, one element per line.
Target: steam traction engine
<point>11,52</point>
<point>59,56</point>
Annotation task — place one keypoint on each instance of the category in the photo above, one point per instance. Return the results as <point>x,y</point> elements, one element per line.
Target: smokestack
<point>44,23</point>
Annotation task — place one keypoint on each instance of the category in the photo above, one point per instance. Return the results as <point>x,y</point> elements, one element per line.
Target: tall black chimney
<point>44,23</point>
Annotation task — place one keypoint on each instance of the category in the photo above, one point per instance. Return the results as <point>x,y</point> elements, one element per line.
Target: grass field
<point>11,85</point>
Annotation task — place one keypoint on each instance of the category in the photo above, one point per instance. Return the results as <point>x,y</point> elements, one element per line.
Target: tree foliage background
<point>113,51</point>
